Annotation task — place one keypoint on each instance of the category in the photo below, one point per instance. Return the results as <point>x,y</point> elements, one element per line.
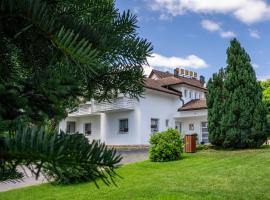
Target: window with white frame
<point>87,129</point>
<point>123,126</point>
<point>167,123</point>
<point>205,132</point>
<point>154,125</point>
<point>190,94</point>
<point>185,92</point>
<point>191,127</point>
<point>71,127</point>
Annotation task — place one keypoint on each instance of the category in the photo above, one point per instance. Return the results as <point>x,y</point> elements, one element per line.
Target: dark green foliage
<point>60,157</point>
<point>215,100</point>
<point>56,54</point>
<point>236,113</point>
<point>166,146</point>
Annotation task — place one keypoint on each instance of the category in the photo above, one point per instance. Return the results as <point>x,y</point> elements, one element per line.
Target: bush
<point>166,146</point>
<point>204,147</point>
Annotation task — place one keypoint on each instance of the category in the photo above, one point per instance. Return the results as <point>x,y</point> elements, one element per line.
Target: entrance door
<point>204,126</point>
<point>178,126</point>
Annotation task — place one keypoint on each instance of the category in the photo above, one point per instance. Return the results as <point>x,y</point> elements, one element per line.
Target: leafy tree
<point>266,95</point>
<point>53,56</point>
<point>266,92</point>
<point>242,122</point>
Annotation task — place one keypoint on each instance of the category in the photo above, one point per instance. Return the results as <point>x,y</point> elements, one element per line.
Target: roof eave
<point>176,94</point>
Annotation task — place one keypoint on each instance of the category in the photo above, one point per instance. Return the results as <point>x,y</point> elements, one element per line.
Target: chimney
<point>202,80</point>
<point>176,72</point>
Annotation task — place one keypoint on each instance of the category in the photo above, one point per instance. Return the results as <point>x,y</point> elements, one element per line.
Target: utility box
<point>190,143</point>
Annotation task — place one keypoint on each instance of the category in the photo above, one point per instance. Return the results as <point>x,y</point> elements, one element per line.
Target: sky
<point>194,34</point>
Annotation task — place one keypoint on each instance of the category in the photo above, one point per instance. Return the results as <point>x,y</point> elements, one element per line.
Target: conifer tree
<point>215,101</point>
<point>241,120</point>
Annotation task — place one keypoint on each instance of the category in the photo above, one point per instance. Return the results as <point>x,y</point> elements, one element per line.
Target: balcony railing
<point>122,103</point>
<point>118,104</point>
<point>84,109</point>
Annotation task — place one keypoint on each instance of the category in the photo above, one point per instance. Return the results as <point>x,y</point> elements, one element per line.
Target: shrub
<point>166,146</point>
<point>204,147</point>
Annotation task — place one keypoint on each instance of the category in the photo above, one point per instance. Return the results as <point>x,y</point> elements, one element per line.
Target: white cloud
<point>227,34</point>
<point>165,17</point>
<point>147,70</point>
<point>191,61</point>
<point>216,27</point>
<point>246,11</point>
<point>255,66</point>
<point>254,34</point>
<point>210,25</point>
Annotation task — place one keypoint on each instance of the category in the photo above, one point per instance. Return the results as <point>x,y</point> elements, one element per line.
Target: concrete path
<point>129,156</point>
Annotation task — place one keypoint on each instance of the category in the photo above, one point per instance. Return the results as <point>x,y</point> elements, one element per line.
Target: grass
<point>207,174</point>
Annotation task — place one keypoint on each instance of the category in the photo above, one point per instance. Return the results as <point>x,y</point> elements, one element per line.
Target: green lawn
<point>205,175</point>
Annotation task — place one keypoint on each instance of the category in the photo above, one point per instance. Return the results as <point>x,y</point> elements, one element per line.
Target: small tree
<point>237,116</point>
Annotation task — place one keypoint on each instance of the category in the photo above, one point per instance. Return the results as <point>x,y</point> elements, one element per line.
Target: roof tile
<point>195,104</point>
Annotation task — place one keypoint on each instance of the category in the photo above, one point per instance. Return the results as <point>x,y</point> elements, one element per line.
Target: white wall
<point>193,90</point>
<point>80,121</point>
<point>112,135</point>
<point>197,125</point>
<point>157,105</point>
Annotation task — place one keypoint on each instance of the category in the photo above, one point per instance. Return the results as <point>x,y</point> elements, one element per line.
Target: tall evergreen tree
<point>215,101</point>
<point>242,122</point>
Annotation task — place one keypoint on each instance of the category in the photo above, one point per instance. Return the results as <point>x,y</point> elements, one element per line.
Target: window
<point>190,94</point>
<point>191,127</point>
<point>154,125</point>
<point>185,93</point>
<point>71,127</point>
<point>87,129</point>
<point>167,123</point>
<point>123,126</point>
<point>200,95</point>
<point>196,95</point>
<point>178,126</point>
<point>204,132</point>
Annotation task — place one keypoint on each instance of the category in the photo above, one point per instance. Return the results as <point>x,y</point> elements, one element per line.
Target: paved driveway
<point>129,156</point>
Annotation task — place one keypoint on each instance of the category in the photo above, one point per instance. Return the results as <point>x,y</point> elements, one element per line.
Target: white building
<point>168,102</point>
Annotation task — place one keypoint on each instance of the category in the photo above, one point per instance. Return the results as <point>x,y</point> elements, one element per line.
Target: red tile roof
<point>196,104</point>
<point>169,79</point>
<point>160,74</point>
<point>158,85</point>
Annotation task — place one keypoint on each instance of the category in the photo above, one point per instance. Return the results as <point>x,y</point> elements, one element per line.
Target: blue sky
<point>194,34</point>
